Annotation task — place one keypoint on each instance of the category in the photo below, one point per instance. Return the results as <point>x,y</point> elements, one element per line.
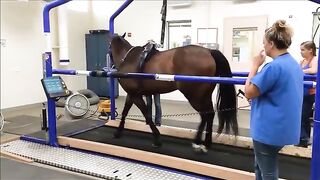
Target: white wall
<point>142,19</point>
<point>79,18</point>
<point>21,65</point>
<point>301,12</point>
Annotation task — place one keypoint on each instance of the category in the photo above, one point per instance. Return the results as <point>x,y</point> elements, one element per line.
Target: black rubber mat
<point>228,156</point>
<point>13,170</point>
<point>193,125</point>
<point>24,124</point>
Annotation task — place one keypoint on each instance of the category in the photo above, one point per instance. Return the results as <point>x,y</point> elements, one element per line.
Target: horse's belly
<point>159,86</point>
<point>134,86</point>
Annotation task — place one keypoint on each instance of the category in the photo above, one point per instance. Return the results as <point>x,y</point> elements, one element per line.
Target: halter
<point>127,53</point>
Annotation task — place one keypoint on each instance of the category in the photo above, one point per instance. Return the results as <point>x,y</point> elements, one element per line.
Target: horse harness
<point>147,53</point>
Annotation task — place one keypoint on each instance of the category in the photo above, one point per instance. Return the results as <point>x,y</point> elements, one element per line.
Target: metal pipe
<point>114,15</point>
<point>307,77</point>
<point>111,30</point>
<point>46,16</point>
<point>163,77</point>
<point>315,160</point>
<point>48,70</point>
<point>33,139</point>
<point>64,71</point>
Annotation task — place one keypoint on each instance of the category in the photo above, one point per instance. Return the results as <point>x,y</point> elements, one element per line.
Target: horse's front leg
<point>138,101</point>
<point>127,107</point>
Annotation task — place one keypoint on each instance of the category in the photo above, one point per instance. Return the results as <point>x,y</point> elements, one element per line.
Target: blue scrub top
<point>276,113</point>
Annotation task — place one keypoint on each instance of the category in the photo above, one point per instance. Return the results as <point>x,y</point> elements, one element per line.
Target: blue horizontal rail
<point>163,77</point>
<point>307,77</point>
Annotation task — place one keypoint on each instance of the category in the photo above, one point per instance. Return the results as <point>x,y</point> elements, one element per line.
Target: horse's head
<point>125,57</point>
<point>118,49</point>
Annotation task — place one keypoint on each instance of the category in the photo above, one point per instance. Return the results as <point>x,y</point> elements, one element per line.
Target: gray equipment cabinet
<point>97,47</point>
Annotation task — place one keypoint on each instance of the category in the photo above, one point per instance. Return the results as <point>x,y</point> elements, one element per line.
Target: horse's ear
<point>124,35</point>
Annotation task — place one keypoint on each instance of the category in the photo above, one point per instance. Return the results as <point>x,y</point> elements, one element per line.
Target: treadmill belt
<point>222,155</point>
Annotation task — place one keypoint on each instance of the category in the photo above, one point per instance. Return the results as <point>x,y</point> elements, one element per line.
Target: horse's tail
<point>226,99</point>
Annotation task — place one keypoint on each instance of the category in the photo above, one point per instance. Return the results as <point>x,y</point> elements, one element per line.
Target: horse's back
<point>193,60</point>
<point>161,62</point>
<point>188,60</point>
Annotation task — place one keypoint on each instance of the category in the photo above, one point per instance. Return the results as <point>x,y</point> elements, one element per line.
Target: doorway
<point>243,39</point>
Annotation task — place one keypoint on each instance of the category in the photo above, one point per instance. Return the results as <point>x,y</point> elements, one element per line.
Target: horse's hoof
<point>199,148</point>
<point>117,134</point>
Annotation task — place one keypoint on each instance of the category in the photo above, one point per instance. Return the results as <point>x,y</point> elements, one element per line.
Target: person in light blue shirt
<point>276,93</point>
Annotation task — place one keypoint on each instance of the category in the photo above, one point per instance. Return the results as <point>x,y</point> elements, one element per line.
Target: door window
<point>179,33</point>
<point>244,44</point>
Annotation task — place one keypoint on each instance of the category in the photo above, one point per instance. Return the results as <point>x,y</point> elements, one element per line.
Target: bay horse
<point>188,60</point>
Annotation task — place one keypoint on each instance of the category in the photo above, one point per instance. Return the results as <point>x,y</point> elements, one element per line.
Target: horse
<point>187,60</point>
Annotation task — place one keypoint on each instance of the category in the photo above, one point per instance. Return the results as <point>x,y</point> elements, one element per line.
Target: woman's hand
<point>251,90</point>
<point>259,59</point>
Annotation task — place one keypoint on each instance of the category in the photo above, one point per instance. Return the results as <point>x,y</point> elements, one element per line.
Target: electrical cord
<point>1,122</point>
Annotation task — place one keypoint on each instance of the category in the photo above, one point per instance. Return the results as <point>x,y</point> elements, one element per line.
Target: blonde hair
<point>280,34</point>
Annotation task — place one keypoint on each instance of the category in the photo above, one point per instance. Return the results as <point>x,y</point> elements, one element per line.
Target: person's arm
<point>251,90</point>
<point>313,67</point>
<point>301,62</point>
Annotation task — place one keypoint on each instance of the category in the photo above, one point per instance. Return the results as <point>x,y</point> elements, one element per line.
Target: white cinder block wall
<point>21,54</point>
<point>21,66</point>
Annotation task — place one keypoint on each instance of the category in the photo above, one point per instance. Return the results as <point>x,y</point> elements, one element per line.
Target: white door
<point>243,38</point>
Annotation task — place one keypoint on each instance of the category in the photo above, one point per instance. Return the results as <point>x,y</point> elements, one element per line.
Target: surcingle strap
<point>147,53</point>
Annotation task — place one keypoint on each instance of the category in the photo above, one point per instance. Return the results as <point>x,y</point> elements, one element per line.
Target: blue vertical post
<point>114,15</point>
<point>112,81</point>
<point>315,161</point>
<point>51,107</point>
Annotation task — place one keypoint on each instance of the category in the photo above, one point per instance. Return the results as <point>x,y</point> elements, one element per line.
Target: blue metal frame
<point>112,81</point>
<point>207,79</point>
<point>51,104</point>
<point>316,1</point>
<point>48,67</point>
<point>315,161</point>
<point>114,15</point>
<point>307,77</point>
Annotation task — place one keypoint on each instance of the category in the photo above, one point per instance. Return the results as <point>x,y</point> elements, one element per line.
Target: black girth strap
<point>163,19</point>
<point>147,53</point>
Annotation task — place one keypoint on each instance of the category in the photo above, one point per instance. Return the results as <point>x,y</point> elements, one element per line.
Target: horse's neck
<point>130,61</point>
<point>118,59</point>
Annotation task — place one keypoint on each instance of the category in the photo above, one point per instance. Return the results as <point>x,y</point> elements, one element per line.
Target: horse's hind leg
<point>207,115</point>
<point>201,101</point>
<point>127,107</point>
<point>138,101</point>
<point>201,126</point>
<point>209,119</point>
